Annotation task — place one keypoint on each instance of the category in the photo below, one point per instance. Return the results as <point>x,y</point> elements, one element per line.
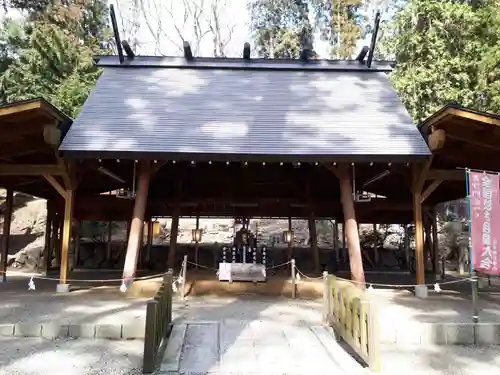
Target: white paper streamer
<point>31,285</point>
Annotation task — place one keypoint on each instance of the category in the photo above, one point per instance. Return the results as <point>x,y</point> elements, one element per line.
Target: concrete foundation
<point>421,291</point>
<point>62,288</point>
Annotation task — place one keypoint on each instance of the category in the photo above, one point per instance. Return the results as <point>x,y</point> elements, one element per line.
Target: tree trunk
<point>136,226</point>
<point>351,226</point>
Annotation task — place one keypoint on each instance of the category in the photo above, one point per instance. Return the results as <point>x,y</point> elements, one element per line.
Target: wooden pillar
<point>7,218</point>
<point>58,239</point>
<point>314,241</point>
<point>375,247</point>
<point>336,241</point>
<point>42,267</point>
<point>76,239</point>
<point>150,241</point>
<point>407,247</point>
<point>136,226</point>
<point>290,243</point>
<point>56,218</point>
<point>174,230</point>
<point>196,246</point>
<point>66,235</point>
<point>435,243</point>
<point>344,244</point>
<point>47,250</point>
<point>351,226</point>
<point>419,229</point>
<point>108,241</point>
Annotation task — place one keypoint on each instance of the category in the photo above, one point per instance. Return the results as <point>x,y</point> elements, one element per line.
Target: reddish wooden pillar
<point>7,218</point>
<point>290,243</point>
<point>108,241</point>
<point>76,240</point>
<point>351,226</point>
<point>314,241</point>
<point>196,244</point>
<point>55,238</point>
<point>136,226</point>
<point>174,230</point>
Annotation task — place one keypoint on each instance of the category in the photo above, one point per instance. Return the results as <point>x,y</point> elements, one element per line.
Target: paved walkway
<point>254,347</point>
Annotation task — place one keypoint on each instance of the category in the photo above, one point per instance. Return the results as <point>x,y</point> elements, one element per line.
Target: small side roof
<point>236,109</point>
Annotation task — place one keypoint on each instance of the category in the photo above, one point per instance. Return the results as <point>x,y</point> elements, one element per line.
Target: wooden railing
<point>158,323</point>
<point>352,315</point>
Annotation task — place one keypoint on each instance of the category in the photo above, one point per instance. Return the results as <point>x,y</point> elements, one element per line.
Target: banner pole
<point>472,273</point>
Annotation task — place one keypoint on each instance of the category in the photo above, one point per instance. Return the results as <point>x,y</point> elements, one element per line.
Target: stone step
<point>343,359</point>
<point>254,348</point>
<point>171,361</point>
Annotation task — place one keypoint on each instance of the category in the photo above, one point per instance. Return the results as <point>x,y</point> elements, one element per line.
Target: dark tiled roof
<point>221,113</point>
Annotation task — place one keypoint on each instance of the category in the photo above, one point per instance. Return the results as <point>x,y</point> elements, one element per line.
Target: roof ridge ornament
<point>188,53</point>
<point>116,33</point>
<point>246,51</point>
<point>128,50</point>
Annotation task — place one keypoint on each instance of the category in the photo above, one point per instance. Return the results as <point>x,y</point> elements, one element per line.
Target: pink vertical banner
<point>484,224</point>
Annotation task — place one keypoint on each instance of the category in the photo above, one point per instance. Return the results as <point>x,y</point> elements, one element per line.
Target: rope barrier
<point>85,280</point>
<point>278,265</point>
<point>392,286</point>
<point>179,278</point>
<point>395,286</point>
<point>202,266</point>
<point>299,272</point>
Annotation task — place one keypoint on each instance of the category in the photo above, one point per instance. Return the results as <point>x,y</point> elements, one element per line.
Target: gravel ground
<point>440,360</point>
<point>70,357</point>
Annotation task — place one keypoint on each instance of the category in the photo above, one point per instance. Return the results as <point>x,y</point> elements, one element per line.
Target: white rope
<point>278,265</point>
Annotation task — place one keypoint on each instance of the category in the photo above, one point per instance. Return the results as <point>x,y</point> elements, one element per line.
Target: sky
<point>168,16</point>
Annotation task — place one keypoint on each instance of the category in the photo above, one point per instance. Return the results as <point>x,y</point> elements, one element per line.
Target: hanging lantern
<point>288,236</point>
<point>196,235</point>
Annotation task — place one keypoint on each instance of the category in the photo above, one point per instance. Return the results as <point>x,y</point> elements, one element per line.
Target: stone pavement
<point>254,347</point>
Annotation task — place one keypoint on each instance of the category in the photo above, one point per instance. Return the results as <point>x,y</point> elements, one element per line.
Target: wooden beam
<point>66,236</point>
<point>29,169</point>
<point>68,181</point>
<point>18,132</point>
<point>420,174</point>
<point>432,186</point>
<point>446,174</point>
<point>51,180</point>
<point>15,149</point>
<point>495,146</point>
<point>19,107</point>
<point>7,219</point>
<point>484,118</point>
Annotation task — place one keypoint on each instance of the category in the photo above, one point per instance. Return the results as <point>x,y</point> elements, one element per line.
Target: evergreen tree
<point>281,27</point>
<point>49,55</point>
<point>341,24</point>
<point>446,51</point>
